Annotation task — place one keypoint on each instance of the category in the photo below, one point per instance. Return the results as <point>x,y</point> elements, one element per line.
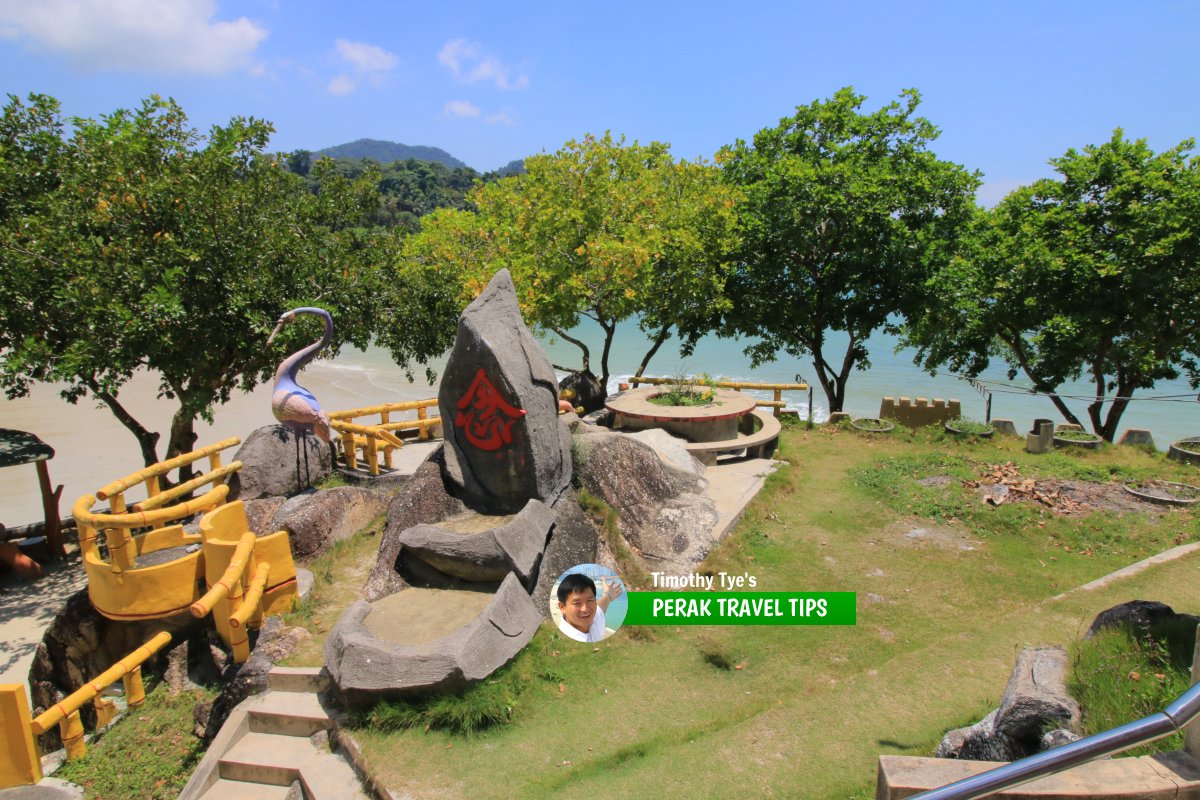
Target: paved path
<point>28,608</point>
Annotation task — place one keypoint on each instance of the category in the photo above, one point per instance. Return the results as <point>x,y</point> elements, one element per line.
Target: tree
<point>136,244</point>
<point>845,211</point>
<point>1093,273</point>
<point>601,229</point>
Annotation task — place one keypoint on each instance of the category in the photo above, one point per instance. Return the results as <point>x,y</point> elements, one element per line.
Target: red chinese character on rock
<point>484,416</point>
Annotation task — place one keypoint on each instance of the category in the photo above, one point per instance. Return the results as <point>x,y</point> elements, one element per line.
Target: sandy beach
<point>93,448</point>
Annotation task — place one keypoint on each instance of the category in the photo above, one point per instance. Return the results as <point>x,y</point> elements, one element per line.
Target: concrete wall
<point>920,412</point>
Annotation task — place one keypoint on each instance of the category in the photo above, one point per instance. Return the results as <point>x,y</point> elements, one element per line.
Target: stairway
<point>275,746</point>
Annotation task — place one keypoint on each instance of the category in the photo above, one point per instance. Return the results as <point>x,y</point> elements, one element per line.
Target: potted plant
<point>871,424</point>
<point>687,391</point>
<point>1186,450</point>
<point>962,426</point>
<point>1076,437</point>
<point>1163,492</point>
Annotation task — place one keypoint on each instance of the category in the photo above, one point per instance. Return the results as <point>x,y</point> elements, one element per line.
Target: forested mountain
<point>412,186</point>
<point>386,152</point>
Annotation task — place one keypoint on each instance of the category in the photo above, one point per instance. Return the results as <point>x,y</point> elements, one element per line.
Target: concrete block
<point>1005,426</point>
<point>1137,436</point>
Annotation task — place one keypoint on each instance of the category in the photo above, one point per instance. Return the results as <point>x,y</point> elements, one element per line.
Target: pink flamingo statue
<point>294,406</point>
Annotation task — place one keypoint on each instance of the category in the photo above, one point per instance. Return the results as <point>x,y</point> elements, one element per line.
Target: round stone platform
<point>714,422</point>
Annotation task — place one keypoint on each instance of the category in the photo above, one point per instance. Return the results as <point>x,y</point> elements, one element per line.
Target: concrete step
<point>288,714</point>
<point>239,790</point>
<point>278,760</point>
<point>297,679</point>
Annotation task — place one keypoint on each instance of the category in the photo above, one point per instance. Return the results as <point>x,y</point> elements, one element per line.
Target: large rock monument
<point>505,443</point>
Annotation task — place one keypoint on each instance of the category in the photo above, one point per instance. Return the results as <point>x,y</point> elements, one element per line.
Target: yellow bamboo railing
<point>162,498</point>
<point>65,713</point>
<point>253,597</point>
<point>229,583</point>
<point>381,437</point>
<point>778,388</point>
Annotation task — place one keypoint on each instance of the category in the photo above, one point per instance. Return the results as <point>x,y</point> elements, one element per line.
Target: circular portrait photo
<point>588,602</point>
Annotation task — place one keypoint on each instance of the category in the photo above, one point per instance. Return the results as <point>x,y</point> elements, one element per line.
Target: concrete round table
<point>714,422</point>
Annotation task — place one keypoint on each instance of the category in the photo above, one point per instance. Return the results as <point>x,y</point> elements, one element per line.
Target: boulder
<point>515,546</point>
<point>1057,738</point>
<point>367,669</point>
<point>424,500</point>
<point>316,520</point>
<point>273,643</point>
<point>1142,614</point>
<point>1037,695</point>
<point>269,464</point>
<point>574,540</point>
<point>681,465</point>
<point>498,398</point>
<point>982,741</point>
<point>261,512</point>
<point>671,530</point>
<point>589,392</point>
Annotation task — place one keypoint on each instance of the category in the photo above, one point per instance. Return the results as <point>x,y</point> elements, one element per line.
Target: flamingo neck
<point>297,360</point>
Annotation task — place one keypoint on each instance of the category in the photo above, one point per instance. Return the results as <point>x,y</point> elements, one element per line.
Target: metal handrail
<point>1156,726</point>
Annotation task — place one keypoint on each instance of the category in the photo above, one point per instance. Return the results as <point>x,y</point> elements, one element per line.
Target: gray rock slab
<point>366,668</point>
<point>423,500</point>
<point>515,545</point>
<point>269,464</point>
<point>505,443</point>
<point>1138,436</point>
<point>1037,695</point>
<point>317,520</point>
<point>260,512</point>
<point>48,789</point>
<point>676,459</point>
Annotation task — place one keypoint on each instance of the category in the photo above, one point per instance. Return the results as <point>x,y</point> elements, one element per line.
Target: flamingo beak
<point>274,333</point>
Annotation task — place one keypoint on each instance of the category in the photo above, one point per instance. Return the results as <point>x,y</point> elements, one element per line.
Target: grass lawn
<point>941,615</point>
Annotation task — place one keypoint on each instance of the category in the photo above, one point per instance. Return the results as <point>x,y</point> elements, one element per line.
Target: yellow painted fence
<point>385,436</point>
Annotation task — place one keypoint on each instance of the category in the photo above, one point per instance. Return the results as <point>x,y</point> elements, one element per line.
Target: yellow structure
<point>225,569</point>
<point>384,436</point>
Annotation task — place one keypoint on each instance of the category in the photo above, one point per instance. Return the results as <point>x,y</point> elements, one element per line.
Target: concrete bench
<point>757,444</point>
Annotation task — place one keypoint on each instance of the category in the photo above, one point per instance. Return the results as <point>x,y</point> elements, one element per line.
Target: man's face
<point>579,609</point>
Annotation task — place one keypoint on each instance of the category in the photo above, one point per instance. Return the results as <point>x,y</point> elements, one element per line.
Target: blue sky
<point>1009,84</point>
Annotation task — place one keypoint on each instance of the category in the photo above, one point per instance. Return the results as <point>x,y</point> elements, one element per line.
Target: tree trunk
<point>587,355</point>
<point>833,381</point>
<point>147,440</point>
<point>1107,428</point>
<point>183,440</point>
<point>663,335</point>
<point>609,330</point>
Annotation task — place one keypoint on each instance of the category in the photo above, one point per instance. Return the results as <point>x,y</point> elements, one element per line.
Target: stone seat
<point>759,444</point>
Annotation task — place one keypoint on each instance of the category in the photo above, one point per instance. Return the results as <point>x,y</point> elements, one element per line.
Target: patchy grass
<point>1122,674</point>
<point>606,518</point>
<point>666,711</point>
<point>338,576</point>
<point>148,754</point>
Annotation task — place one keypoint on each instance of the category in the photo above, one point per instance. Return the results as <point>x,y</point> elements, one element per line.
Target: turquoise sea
<point>1171,411</point>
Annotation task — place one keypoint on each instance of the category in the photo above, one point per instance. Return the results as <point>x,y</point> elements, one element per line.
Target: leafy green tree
<point>1094,273</point>
<point>845,211</point>
<point>600,229</point>
<point>135,244</point>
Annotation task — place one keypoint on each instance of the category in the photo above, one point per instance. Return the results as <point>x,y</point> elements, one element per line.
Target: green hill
<point>386,152</point>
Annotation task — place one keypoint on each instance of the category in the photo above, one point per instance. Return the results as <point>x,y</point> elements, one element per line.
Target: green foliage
<point>1123,674</point>
<point>687,390</point>
<point>965,425</point>
<point>147,754</point>
<point>482,706</point>
<point>600,229</point>
<point>138,244</point>
<point>845,212</point>
<point>1093,273</point>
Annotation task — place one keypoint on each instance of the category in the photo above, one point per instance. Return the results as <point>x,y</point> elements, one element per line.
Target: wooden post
<point>50,510</point>
<point>422,431</point>
<point>778,398</point>
<point>349,450</point>
<point>135,692</point>
<point>105,711</point>
<point>372,455</point>
<point>19,762</point>
<point>71,731</point>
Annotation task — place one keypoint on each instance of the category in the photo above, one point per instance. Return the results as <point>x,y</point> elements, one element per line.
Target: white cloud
<point>467,61</point>
<point>461,108</point>
<point>500,118</point>
<point>367,61</point>
<point>366,57</point>
<point>342,84</point>
<point>136,35</point>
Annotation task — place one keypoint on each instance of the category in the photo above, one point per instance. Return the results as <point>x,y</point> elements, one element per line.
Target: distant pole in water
<point>294,406</point>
